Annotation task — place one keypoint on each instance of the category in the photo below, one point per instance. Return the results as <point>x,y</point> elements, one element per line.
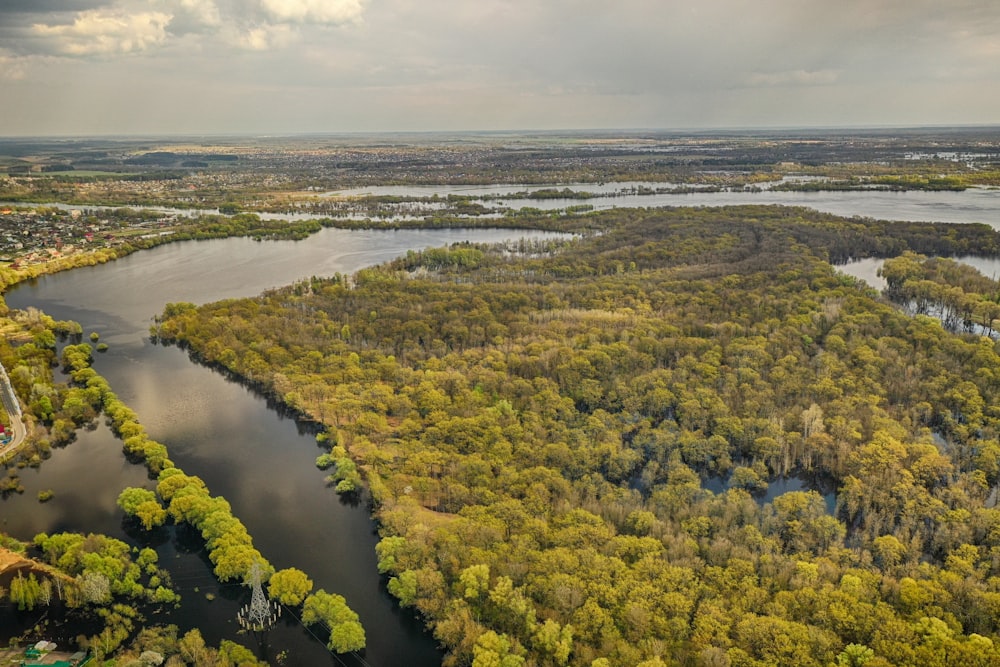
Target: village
<point>43,653</point>
<point>30,235</point>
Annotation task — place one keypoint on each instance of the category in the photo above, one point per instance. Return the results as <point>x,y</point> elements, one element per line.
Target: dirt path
<point>10,560</point>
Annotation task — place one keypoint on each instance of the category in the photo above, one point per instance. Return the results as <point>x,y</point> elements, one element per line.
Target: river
<point>246,450</point>
<point>971,205</point>
<point>979,204</point>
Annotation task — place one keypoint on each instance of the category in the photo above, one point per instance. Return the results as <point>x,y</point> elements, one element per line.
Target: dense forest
<point>539,426</point>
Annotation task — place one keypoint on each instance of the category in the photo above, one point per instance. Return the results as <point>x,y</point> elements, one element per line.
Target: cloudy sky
<point>72,67</point>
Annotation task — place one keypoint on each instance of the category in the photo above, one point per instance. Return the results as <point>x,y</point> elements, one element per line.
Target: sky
<point>127,67</point>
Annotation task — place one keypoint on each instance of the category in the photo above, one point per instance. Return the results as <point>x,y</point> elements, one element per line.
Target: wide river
<point>246,450</point>
<point>971,205</point>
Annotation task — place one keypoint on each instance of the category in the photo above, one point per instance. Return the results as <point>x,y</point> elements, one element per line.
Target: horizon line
<point>528,131</point>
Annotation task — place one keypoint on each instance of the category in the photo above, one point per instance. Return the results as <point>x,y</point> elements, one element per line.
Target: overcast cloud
<point>284,66</point>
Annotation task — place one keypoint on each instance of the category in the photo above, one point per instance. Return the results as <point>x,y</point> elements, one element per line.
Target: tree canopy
<point>539,427</point>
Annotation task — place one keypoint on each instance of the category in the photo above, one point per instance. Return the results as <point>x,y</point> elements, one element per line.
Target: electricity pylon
<point>261,614</point>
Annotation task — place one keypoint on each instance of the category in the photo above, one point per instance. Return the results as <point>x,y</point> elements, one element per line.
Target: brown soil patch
<point>11,560</point>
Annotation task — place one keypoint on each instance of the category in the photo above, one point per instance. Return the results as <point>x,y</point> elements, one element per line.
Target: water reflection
<point>259,459</point>
<point>865,269</point>
<point>780,485</point>
<point>95,458</point>
<point>974,205</point>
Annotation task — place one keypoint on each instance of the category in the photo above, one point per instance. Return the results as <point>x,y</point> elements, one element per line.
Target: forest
<point>539,427</point>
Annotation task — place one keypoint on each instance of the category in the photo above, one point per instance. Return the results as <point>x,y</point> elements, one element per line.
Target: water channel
<point>246,450</point>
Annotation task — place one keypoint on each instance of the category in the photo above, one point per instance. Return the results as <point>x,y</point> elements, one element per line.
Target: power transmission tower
<point>261,614</point>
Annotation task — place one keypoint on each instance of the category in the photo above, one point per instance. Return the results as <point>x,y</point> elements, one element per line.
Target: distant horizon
<point>624,131</point>
<point>98,68</point>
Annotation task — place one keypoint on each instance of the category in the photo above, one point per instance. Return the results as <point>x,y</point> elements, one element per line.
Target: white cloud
<point>333,12</point>
<point>131,26</point>
<point>261,37</point>
<point>107,32</point>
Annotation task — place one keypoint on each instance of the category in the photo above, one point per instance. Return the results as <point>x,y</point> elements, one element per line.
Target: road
<point>13,408</point>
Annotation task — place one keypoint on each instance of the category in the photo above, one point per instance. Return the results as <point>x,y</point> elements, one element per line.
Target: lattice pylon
<point>261,614</point>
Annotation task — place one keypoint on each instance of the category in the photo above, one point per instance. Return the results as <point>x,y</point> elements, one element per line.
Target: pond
<point>777,486</point>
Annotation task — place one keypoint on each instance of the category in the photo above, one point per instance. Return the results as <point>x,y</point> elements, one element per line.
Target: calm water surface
<point>971,205</point>
<point>260,460</point>
<point>867,269</point>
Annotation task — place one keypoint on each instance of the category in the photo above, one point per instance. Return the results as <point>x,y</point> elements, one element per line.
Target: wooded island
<point>538,427</point>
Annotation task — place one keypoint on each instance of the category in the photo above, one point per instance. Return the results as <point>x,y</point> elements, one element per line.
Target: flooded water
<point>972,205</point>
<point>867,269</point>
<point>781,485</point>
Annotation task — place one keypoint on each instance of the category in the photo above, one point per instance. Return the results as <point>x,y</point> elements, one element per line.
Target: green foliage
<point>493,650</point>
<point>855,655</point>
<point>229,545</point>
<point>474,581</point>
<point>347,479</point>
<point>537,428</point>
<point>25,591</point>
<point>404,587</point>
<point>331,610</point>
<point>237,654</point>
<point>144,505</point>
<point>96,576</point>
<point>103,568</point>
<point>187,649</point>
<point>289,586</point>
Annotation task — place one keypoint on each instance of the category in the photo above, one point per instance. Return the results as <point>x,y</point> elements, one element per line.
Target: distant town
<point>35,235</point>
